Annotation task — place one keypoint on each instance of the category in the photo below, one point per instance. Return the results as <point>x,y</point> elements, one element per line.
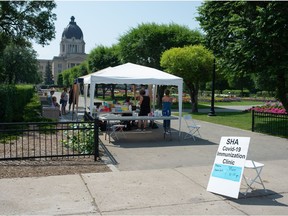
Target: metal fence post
<point>96,138</point>
<point>253,119</point>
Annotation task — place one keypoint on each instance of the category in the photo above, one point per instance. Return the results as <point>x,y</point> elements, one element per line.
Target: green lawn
<point>242,120</point>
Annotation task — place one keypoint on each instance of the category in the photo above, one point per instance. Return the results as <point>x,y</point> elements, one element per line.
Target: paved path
<point>156,177</point>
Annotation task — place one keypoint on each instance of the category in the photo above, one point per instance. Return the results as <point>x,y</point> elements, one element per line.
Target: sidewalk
<point>179,191</point>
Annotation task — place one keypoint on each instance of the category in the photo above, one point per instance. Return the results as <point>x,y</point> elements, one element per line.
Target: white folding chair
<point>115,129</point>
<point>193,128</point>
<point>250,164</point>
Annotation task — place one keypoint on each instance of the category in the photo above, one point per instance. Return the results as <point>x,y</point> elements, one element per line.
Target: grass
<point>242,120</point>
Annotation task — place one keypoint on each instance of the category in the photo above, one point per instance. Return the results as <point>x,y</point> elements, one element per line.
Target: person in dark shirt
<point>144,103</point>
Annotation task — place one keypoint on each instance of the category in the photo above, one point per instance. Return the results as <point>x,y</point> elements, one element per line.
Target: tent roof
<point>87,78</point>
<point>132,74</point>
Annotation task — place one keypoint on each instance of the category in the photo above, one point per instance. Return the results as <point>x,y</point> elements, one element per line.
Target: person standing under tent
<point>166,110</point>
<point>145,88</point>
<point>144,103</point>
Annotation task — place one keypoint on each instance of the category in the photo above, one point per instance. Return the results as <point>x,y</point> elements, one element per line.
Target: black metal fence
<point>270,123</point>
<point>49,140</point>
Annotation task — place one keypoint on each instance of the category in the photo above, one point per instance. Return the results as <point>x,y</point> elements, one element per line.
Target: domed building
<point>72,50</point>
<point>72,40</point>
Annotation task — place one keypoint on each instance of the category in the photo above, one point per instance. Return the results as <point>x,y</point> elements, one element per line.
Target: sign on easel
<point>227,171</point>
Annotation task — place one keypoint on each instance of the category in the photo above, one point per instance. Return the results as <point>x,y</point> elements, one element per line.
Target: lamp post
<point>212,111</point>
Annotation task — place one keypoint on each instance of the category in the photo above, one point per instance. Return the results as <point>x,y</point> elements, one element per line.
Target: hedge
<point>13,100</point>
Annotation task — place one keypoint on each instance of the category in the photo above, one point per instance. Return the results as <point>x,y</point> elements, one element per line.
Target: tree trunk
<point>112,91</point>
<point>103,91</point>
<point>193,92</point>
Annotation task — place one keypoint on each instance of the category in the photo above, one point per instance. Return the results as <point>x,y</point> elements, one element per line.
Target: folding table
<point>110,118</point>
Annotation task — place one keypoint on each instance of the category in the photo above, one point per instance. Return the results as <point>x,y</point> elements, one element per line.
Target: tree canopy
<point>102,57</point>
<point>19,65</point>
<point>250,37</point>
<point>68,76</point>
<point>145,44</point>
<point>21,21</point>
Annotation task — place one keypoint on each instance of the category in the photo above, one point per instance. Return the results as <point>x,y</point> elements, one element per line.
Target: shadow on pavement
<point>153,138</point>
<point>260,197</point>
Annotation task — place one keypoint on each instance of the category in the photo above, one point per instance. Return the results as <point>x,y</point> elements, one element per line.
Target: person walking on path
<point>63,101</point>
<point>166,110</point>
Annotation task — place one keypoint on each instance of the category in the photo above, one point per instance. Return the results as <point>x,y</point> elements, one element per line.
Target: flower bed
<point>270,107</point>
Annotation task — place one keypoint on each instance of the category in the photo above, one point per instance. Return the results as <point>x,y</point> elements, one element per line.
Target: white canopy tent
<point>132,74</point>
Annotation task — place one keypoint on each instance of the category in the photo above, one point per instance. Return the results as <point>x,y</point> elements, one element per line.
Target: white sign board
<point>227,171</point>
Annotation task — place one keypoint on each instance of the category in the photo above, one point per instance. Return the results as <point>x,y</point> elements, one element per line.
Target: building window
<point>63,48</point>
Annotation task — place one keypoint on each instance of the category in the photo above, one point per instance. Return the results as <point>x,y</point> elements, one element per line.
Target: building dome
<point>72,30</point>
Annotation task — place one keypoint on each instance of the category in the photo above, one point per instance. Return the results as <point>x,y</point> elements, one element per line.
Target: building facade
<point>72,51</point>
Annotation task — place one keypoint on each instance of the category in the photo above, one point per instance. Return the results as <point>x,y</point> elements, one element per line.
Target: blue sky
<point>103,22</point>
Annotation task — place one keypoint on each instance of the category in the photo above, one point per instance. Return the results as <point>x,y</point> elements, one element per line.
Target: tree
<point>60,79</point>
<point>250,37</point>
<point>19,65</point>
<point>145,44</point>
<point>241,82</point>
<point>48,77</point>
<point>21,21</point>
<point>193,63</point>
<point>68,76</point>
<point>102,57</point>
